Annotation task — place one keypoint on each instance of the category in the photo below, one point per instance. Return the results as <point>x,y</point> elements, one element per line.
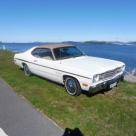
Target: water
<point>125,53</point>
<point>121,52</point>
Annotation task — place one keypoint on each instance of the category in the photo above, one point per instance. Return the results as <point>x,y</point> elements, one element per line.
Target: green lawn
<point>109,114</point>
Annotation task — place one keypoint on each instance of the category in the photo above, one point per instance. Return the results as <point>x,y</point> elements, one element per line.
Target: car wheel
<point>26,70</point>
<point>122,78</point>
<point>72,86</point>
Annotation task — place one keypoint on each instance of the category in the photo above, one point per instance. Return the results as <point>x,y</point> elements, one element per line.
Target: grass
<point>109,114</point>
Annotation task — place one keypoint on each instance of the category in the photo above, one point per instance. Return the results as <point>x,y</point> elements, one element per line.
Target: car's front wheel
<point>26,70</point>
<point>72,86</point>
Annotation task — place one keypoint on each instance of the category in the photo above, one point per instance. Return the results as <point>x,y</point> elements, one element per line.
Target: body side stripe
<point>53,68</point>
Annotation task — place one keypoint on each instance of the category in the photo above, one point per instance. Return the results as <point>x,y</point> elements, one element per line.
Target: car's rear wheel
<point>26,70</point>
<point>72,86</point>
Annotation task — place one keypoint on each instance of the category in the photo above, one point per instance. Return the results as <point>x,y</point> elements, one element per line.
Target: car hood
<point>88,66</point>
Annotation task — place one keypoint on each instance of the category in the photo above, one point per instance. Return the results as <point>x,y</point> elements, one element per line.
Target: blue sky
<point>67,20</point>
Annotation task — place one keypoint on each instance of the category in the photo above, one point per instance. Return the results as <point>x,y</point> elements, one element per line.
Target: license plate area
<point>113,85</point>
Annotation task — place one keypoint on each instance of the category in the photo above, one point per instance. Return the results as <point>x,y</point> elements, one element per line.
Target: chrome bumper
<point>106,84</point>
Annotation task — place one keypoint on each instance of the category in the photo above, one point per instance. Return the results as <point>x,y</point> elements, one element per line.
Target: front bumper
<point>106,84</point>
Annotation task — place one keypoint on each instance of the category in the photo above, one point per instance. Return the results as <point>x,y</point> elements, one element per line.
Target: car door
<point>33,59</point>
<point>44,64</point>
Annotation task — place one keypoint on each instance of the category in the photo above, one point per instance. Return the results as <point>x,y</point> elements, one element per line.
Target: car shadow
<point>89,94</point>
<point>72,132</point>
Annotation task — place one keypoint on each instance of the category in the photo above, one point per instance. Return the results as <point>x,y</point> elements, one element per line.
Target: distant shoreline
<point>72,42</point>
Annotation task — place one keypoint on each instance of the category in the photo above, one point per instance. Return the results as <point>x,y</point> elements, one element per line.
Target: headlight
<point>96,78</point>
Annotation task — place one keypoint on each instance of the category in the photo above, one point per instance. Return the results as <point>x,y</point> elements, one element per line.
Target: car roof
<point>53,46</point>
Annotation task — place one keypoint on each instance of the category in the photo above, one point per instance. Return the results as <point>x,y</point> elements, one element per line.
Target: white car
<point>67,65</point>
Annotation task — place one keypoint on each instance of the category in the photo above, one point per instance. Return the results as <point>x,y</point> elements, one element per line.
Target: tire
<point>122,78</point>
<point>72,86</point>
<point>26,70</point>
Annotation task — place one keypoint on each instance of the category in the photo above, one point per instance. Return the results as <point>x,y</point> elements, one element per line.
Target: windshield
<point>67,52</point>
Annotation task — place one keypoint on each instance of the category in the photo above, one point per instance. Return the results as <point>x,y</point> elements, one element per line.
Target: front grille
<point>110,74</point>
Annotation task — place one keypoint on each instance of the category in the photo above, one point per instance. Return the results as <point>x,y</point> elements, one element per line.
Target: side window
<point>46,54</point>
<point>36,52</point>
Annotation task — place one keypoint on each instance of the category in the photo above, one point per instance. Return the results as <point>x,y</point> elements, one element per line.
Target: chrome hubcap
<point>71,86</point>
<point>26,70</point>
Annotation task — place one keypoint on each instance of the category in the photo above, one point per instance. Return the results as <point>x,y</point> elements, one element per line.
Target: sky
<point>67,20</point>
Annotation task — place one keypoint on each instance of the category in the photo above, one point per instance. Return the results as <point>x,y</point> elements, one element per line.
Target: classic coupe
<point>68,65</point>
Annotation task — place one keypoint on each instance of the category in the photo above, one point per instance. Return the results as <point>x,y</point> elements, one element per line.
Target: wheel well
<point>23,64</point>
<point>65,76</point>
